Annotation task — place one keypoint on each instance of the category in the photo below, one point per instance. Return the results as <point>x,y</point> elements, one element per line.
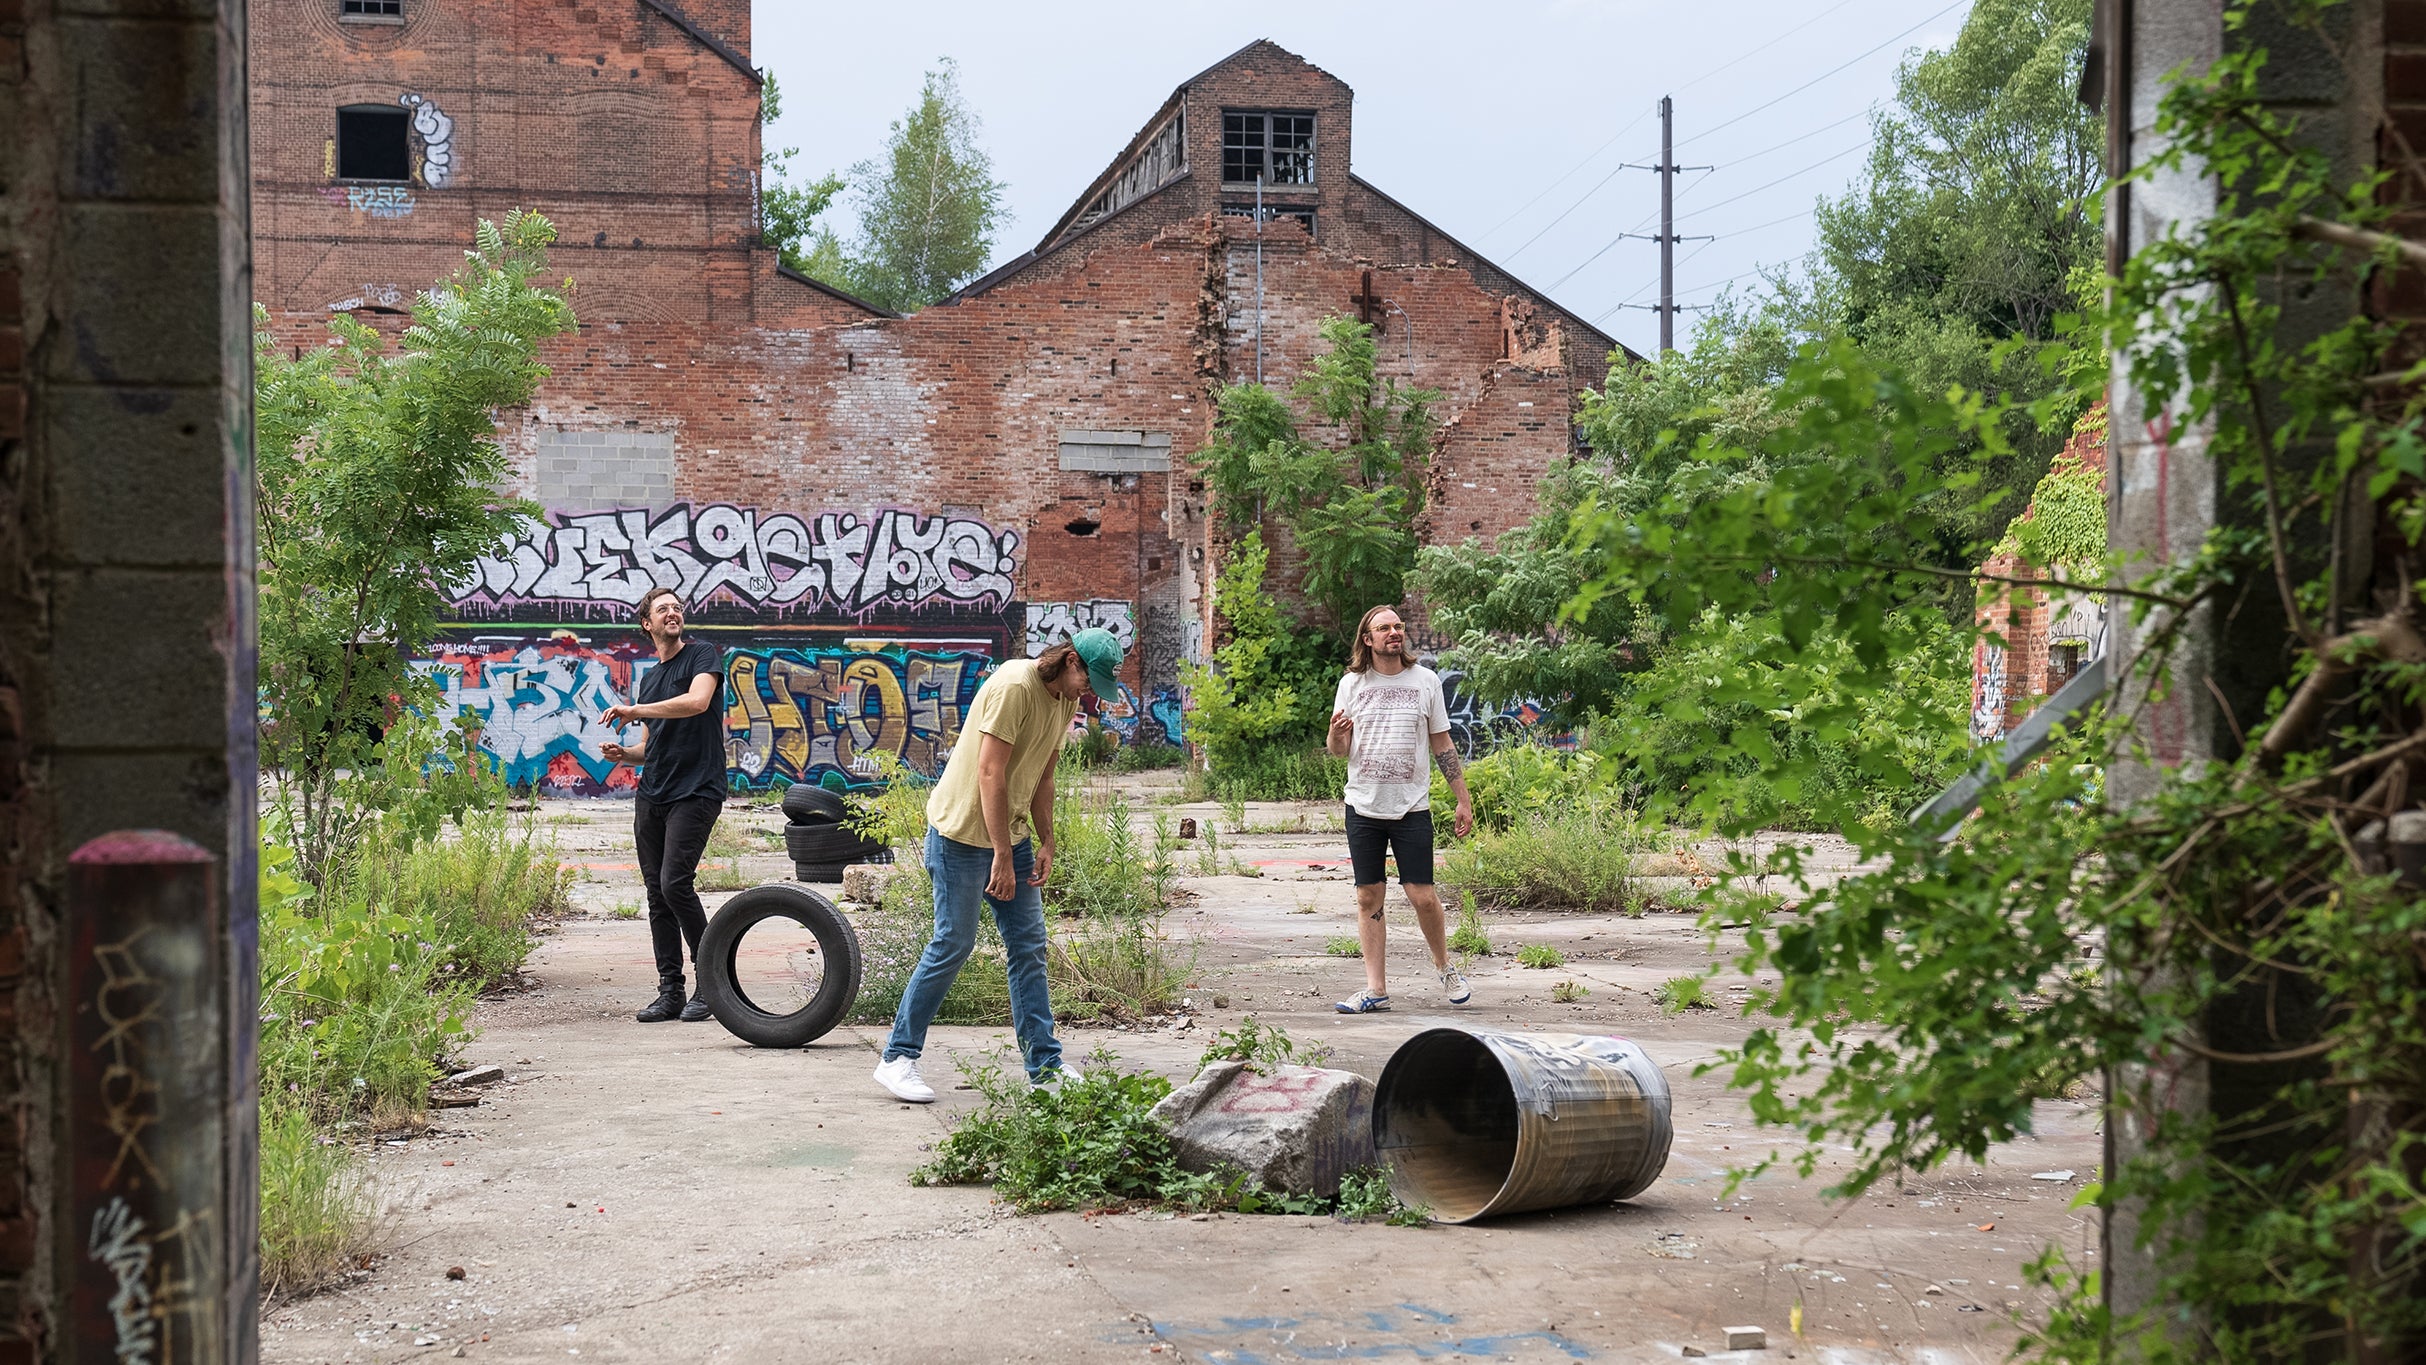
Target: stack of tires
<point>820,843</point>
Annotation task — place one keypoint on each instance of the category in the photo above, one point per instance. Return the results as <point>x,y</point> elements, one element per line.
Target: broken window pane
<point>371,144</point>
<point>1279,148</point>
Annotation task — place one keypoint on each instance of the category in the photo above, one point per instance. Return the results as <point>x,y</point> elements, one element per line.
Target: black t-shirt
<point>685,757</point>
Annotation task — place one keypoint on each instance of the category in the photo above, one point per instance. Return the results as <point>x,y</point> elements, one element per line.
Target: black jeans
<point>671,835</point>
<point>1371,842</point>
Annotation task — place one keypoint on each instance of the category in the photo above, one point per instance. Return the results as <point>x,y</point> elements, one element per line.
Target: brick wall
<point>2033,636</point>
<point>795,408</point>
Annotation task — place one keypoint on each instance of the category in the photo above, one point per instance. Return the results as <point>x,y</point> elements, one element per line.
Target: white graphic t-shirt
<point>1390,751</point>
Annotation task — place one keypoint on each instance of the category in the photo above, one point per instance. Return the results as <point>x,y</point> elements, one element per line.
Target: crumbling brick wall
<point>2034,639</point>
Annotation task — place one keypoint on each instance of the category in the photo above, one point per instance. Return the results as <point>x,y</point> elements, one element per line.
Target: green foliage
<point>1120,958</point>
<point>1579,857</point>
<point>1569,992</point>
<point>1269,687</point>
<point>1688,992</point>
<point>1540,955</point>
<point>1092,1144</point>
<point>1343,946</point>
<point>316,1210</point>
<point>376,478</point>
<point>1350,500</point>
<point>927,208</point>
<point>1920,1007</point>
<point>788,213</point>
<point>1522,780</point>
<point>481,891</point>
<point>1468,937</point>
<point>1264,1048</point>
<point>2065,528</point>
<point>1277,774</point>
<point>1730,721</point>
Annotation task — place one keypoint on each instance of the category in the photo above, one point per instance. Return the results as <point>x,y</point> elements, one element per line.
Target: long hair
<point>1051,664</point>
<point>1360,650</point>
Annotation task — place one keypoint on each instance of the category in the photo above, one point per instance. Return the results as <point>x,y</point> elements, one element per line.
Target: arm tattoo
<point>1452,763</point>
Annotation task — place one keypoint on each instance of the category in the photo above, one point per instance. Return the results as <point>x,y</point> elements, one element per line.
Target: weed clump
<point>1540,955</point>
<point>1093,1143</point>
<point>1343,946</point>
<point>1468,937</point>
<point>1569,992</point>
<point>1580,856</point>
<point>1680,993</point>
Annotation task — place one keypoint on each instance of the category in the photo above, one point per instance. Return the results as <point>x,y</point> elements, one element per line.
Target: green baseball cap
<point>1100,651</point>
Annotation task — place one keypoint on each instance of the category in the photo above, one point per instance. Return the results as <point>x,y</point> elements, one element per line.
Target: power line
<point>1801,137</point>
<point>1594,154</point>
<point>1958,4</point>
<point>1857,147</point>
<point>1588,160</point>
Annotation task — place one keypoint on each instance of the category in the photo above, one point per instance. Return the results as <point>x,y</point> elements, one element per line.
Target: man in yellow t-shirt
<point>997,785</point>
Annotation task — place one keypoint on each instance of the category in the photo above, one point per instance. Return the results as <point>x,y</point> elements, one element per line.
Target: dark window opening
<point>1275,148</point>
<point>2063,665</point>
<point>1084,526</point>
<point>371,144</point>
<point>1273,213</point>
<point>373,10</point>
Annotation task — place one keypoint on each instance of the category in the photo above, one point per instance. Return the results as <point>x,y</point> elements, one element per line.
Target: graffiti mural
<point>811,713</point>
<point>437,134</point>
<point>841,563</point>
<point>1477,727</point>
<point>379,201</point>
<point>1988,693</point>
<point>1050,623</point>
<point>1134,719</point>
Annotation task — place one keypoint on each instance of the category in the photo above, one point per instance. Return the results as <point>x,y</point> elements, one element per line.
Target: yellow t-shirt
<point>1015,707</point>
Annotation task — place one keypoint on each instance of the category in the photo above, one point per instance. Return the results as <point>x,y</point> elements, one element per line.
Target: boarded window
<point>1258,144</point>
<point>372,143</point>
<point>603,471</point>
<point>1116,452</point>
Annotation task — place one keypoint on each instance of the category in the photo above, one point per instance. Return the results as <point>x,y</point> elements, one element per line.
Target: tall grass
<point>1579,857</point>
<point>316,1214</point>
<point>1280,774</point>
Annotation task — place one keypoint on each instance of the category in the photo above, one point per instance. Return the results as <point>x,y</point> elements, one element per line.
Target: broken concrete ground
<point>664,1193</point>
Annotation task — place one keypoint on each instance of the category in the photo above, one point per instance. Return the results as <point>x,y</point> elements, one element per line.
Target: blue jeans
<point>960,872</point>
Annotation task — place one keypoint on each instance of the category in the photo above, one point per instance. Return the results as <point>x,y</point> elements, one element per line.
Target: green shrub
<point>1264,1049</point>
<point>1578,857</point>
<point>480,892</point>
<point>892,935</point>
<point>1524,780</point>
<point>1540,955</point>
<point>316,1214</point>
<point>1680,993</point>
<point>1092,1143</point>
<point>1099,867</point>
<point>1148,754</point>
<point>1468,937</point>
<point>1282,773</point>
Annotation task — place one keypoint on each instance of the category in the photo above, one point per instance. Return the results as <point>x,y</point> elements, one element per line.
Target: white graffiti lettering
<point>117,1243</point>
<point>437,133</point>
<point>1050,623</point>
<point>753,558</point>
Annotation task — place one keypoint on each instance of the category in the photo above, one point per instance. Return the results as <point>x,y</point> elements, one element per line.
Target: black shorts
<point>1409,836</point>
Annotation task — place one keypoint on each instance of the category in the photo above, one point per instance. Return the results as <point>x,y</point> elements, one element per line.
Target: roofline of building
<point>1475,257</point>
<point>823,288</point>
<point>1112,171</point>
<point>1052,245</point>
<point>706,39</point>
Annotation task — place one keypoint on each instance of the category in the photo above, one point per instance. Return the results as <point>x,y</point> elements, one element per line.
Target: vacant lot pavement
<point>661,1194</point>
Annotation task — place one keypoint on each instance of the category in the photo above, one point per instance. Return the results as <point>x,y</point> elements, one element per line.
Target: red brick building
<point>2036,640</point>
<point>867,509</point>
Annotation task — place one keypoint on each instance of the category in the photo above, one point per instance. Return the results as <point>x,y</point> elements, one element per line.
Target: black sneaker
<point>667,1005</point>
<point>697,1010</point>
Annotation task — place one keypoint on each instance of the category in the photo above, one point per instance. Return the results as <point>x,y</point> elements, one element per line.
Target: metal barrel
<point>1474,1122</point>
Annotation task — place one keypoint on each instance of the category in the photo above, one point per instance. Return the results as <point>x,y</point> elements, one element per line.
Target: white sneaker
<point>900,1075</point>
<point>1064,1074</point>
<point>1455,980</point>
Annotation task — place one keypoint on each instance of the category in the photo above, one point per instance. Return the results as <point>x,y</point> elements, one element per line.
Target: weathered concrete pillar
<point>2165,493</point>
<point>126,641</point>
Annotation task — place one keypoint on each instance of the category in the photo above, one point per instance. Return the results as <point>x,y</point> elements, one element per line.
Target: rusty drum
<point>1474,1122</point>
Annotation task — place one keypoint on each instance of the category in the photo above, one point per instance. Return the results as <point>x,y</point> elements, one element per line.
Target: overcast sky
<point>1505,123</point>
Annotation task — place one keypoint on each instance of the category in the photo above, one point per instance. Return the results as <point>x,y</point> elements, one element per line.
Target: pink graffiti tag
<point>1258,1094</point>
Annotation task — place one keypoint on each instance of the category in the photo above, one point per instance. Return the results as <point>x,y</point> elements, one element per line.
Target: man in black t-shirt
<point>681,758</point>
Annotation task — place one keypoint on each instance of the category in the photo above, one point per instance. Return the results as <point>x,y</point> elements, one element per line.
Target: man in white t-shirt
<point>1391,721</point>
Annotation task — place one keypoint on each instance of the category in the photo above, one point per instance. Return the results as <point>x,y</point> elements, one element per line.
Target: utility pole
<point>1667,224</point>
